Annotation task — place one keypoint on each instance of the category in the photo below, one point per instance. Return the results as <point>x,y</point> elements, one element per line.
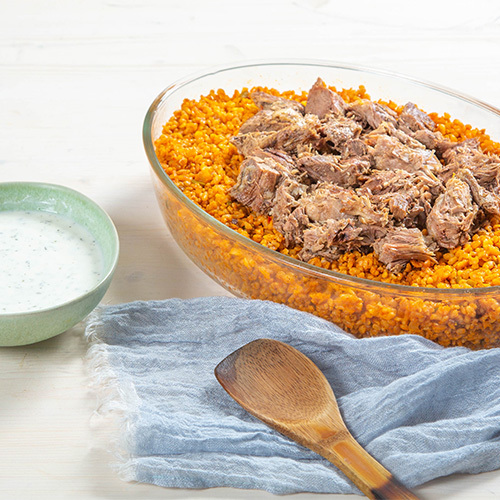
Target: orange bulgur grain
<point>195,151</point>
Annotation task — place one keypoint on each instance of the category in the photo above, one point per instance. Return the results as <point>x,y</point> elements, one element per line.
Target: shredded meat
<point>371,114</point>
<point>388,129</point>
<point>294,225</point>
<point>286,200</point>
<point>268,101</point>
<point>329,201</point>
<point>248,144</point>
<point>338,177</point>
<point>408,195</point>
<point>302,132</point>
<point>452,215</point>
<point>468,154</point>
<point>412,119</point>
<point>487,200</point>
<point>399,246</point>
<point>257,182</point>
<point>331,238</point>
<point>344,172</point>
<point>285,160</point>
<point>338,133</point>
<point>391,154</point>
<point>322,101</point>
<point>268,120</point>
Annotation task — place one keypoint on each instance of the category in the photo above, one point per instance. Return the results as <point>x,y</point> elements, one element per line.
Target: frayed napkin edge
<point>117,404</point>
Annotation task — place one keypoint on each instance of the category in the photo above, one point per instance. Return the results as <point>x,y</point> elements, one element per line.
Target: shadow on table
<point>151,265</point>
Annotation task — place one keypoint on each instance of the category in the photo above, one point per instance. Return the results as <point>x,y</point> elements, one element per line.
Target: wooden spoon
<point>285,389</point>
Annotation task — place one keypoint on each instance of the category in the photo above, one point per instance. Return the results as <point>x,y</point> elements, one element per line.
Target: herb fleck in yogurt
<point>45,260</point>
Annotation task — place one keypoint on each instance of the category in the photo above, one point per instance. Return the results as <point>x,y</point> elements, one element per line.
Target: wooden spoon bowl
<point>285,389</point>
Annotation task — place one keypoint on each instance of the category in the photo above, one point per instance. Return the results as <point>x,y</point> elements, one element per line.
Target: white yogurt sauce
<point>45,260</point>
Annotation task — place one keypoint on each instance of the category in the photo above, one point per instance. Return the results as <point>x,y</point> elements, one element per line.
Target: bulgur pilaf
<point>196,153</point>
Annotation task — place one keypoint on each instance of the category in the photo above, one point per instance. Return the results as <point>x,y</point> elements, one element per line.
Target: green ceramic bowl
<point>20,326</point>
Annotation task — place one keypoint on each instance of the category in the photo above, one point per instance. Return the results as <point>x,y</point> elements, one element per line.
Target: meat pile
<point>339,177</point>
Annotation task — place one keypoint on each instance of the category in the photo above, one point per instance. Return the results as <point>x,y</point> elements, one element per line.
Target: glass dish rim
<point>340,278</point>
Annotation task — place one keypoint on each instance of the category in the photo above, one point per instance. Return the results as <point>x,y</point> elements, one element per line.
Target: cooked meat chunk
<point>286,200</point>
<point>399,206</point>
<point>390,154</point>
<point>466,154</point>
<point>452,215</point>
<point>427,138</point>
<point>409,195</point>
<point>407,199</point>
<point>388,129</point>
<point>320,167</point>
<point>344,172</point>
<point>389,181</point>
<point>290,138</point>
<point>399,246</point>
<point>412,119</point>
<point>371,114</point>
<point>322,101</point>
<point>355,147</point>
<point>385,181</point>
<point>268,120</point>
<point>256,183</point>
<point>331,238</point>
<point>249,144</point>
<point>269,101</point>
<point>485,199</point>
<point>338,133</point>
<point>294,225</point>
<point>302,130</point>
<point>328,201</point>
<point>278,156</point>
<point>488,173</point>
<point>433,140</point>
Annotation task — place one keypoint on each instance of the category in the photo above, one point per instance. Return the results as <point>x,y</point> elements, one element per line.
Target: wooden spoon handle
<point>363,470</point>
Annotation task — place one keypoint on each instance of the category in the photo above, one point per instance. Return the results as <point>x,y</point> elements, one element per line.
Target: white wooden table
<point>76,78</point>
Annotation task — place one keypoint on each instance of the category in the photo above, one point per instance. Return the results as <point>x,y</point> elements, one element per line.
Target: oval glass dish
<point>452,317</point>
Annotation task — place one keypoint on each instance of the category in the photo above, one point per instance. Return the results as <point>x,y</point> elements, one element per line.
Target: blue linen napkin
<point>421,410</point>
